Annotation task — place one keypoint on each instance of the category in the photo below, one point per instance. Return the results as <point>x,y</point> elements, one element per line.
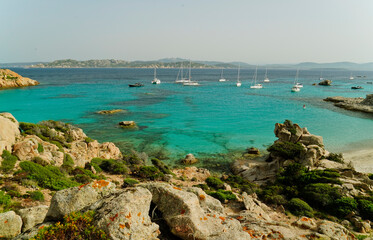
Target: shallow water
<point>208,120</point>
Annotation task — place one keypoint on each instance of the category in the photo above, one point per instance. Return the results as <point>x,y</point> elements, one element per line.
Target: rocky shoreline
<point>10,79</point>
<point>117,196</point>
<point>353,104</point>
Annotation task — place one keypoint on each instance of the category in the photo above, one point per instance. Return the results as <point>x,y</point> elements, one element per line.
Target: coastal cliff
<point>10,79</point>
<point>56,182</point>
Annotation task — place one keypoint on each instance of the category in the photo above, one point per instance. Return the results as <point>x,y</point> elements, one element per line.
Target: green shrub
<point>320,176</point>
<point>40,148</point>
<point>161,166</point>
<point>129,182</point>
<point>68,160</point>
<point>88,140</point>
<point>336,157</point>
<point>150,172</point>
<point>76,226</point>
<point>222,195</point>
<point>40,161</point>
<point>114,166</point>
<point>8,162</point>
<point>5,202</point>
<point>82,178</point>
<point>273,195</point>
<point>214,183</point>
<point>48,177</point>
<point>366,208</point>
<point>36,195</point>
<point>299,207</point>
<point>241,183</point>
<point>344,206</point>
<point>321,195</point>
<point>287,150</point>
<point>370,176</point>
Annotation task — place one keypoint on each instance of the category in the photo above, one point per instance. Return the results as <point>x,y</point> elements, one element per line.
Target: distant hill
<point>178,62</point>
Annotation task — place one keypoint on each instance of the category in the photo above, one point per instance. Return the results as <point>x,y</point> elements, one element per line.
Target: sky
<point>252,31</point>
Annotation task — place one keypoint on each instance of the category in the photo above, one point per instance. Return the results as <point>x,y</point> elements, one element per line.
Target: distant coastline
<point>168,63</point>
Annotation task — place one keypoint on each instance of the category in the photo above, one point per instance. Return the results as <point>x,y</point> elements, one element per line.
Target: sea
<point>215,121</point>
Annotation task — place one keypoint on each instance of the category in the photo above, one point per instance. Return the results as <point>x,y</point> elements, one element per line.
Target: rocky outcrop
<point>32,216</point>
<point>189,159</point>
<point>128,124</point>
<point>125,215</point>
<point>353,104</point>
<point>10,224</point>
<point>77,198</point>
<point>325,82</point>
<point>187,219</point>
<point>10,79</point>
<point>9,131</point>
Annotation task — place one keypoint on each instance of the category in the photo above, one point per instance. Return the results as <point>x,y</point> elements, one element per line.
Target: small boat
<point>357,87</point>
<point>295,89</point>
<point>189,81</point>
<point>222,79</point>
<point>266,79</point>
<point>256,85</point>
<point>136,85</point>
<point>351,77</point>
<point>238,84</point>
<point>182,78</point>
<point>156,80</point>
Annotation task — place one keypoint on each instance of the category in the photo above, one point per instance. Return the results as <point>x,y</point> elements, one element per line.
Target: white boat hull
<point>222,80</point>
<point>156,81</point>
<point>257,86</point>
<point>191,84</point>
<point>238,84</point>
<point>295,89</point>
<point>266,80</point>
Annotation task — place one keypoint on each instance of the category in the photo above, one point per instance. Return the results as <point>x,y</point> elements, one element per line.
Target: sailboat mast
<point>238,74</point>
<point>182,74</point>
<point>190,68</point>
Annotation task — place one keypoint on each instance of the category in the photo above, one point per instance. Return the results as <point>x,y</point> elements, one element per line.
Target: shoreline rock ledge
<point>354,104</point>
<point>10,79</point>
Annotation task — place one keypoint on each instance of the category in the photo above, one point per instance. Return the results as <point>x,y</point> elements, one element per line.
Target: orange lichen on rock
<point>122,226</point>
<point>222,218</point>
<point>177,188</point>
<point>239,217</point>
<point>129,215</point>
<point>100,184</point>
<point>139,214</point>
<point>81,186</point>
<point>202,197</point>
<point>205,218</point>
<point>113,218</point>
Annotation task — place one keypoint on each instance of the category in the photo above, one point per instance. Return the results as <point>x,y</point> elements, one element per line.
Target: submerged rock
<point>128,124</point>
<point>113,111</point>
<point>252,150</point>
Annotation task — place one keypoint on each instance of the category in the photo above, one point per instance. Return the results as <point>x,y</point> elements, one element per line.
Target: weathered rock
<point>326,82</point>
<point>199,174</point>
<point>32,216</point>
<point>255,207</point>
<point>125,215</point>
<point>10,224</point>
<point>128,124</point>
<point>334,230</point>
<point>208,203</point>
<point>310,139</point>
<point>258,172</point>
<point>187,219</point>
<point>354,104</point>
<point>32,232</point>
<point>10,79</point>
<point>77,198</point>
<point>189,159</point>
<point>368,100</point>
<point>306,223</point>
<point>9,131</point>
<point>113,111</point>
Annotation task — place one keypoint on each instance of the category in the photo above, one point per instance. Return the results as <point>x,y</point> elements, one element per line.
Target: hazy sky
<point>253,31</point>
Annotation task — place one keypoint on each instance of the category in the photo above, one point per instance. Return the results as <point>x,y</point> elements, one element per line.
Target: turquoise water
<point>214,118</point>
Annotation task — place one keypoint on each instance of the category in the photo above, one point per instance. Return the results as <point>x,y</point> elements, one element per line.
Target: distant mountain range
<point>178,62</point>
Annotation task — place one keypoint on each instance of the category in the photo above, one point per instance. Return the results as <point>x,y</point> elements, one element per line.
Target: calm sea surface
<point>210,120</point>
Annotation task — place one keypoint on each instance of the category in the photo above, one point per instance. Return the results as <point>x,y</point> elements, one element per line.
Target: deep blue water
<point>214,118</point>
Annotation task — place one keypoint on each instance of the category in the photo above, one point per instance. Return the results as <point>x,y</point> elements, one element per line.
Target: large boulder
<point>256,207</point>
<point>75,199</point>
<point>10,224</point>
<point>9,131</point>
<point>368,100</point>
<point>32,216</point>
<point>335,231</point>
<point>326,82</point>
<point>10,79</point>
<point>28,148</point>
<point>125,215</point>
<point>187,219</point>
<point>189,159</point>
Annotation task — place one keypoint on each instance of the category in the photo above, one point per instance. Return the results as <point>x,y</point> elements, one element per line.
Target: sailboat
<point>222,79</point>
<point>351,77</point>
<point>189,81</point>
<point>156,80</point>
<point>182,78</point>
<point>256,85</point>
<point>321,78</point>
<point>238,84</point>
<point>296,87</point>
<point>266,79</point>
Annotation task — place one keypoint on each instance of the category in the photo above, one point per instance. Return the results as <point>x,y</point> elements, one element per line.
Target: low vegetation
<point>8,162</point>
<point>286,150</point>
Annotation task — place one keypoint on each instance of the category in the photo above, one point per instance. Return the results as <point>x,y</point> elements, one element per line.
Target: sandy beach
<point>362,159</point>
